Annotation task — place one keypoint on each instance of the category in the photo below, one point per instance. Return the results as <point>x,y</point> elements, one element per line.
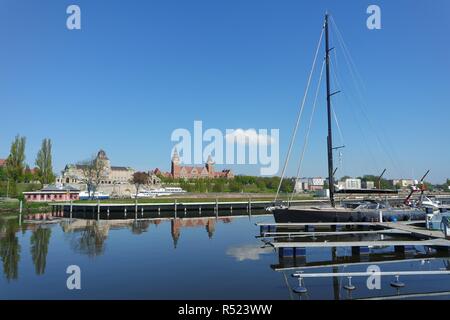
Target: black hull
<point>326,216</point>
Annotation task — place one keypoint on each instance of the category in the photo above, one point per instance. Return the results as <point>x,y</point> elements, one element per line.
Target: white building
<point>74,174</point>
<point>368,185</point>
<point>350,184</point>
<point>115,180</point>
<point>403,183</point>
<point>309,184</point>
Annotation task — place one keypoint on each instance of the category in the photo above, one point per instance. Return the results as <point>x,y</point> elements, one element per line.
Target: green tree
<point>139,179</point>
<point>3,176</point>
<point>28,175</point>
<point>43,162</point>
<point>219,186</point>
<point>15,163</point>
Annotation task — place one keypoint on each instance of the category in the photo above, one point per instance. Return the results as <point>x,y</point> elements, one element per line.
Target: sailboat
<point>364,211</point>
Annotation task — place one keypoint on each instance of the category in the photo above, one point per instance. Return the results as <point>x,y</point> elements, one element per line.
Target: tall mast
<point>330,136</point>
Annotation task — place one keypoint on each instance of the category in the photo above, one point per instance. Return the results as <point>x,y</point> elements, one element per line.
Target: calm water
<point>201,258</point>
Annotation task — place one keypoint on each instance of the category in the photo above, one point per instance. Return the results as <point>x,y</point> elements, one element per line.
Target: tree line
<point>240,183</point>
<point>16,170</point>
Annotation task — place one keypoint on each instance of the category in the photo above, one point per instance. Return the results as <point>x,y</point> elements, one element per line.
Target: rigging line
<point>351,103</point>
<point>362,103</point>
<point>294,133</point>
<point>338,126</point>
<point>354,71</point>
<point>336,83</point>
<point>346,50</point>
<point>305,144</point>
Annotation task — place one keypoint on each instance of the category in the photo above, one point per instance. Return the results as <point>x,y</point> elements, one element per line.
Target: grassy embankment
<point>11,206</point>
<point>202,197</point>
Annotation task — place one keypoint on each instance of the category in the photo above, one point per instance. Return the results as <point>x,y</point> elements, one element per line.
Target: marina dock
<point>105,210</point>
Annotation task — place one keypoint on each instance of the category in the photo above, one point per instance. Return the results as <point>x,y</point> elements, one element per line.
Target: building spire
<point>175,156</point>
<point>210,160</point>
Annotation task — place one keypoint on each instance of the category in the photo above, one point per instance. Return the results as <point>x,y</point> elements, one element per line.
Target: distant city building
<point>115,181</point>
<point>350,184</point>
<point>301,185</point>
<point>368,184</point>
<point>193,172</point>
<point>2,163</point>
<point>403,183</point>
<point>73,173</point>
<point>309,184</point>
<point>52,193</point>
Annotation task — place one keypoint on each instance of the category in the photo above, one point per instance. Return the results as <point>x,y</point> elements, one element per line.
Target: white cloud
<point>247,252</point>
<point>249,137</point>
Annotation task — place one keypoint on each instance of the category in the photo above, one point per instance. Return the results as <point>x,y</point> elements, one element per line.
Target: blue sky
<point>140,69</point>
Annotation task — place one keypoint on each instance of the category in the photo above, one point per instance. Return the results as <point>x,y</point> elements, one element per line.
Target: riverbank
<point>12,206</point>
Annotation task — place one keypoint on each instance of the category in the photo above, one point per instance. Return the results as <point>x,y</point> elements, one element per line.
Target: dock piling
<point>217,206</point>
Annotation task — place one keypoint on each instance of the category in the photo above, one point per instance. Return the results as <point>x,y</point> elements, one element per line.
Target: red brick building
<point>196,172</point>
<point>52,193</point>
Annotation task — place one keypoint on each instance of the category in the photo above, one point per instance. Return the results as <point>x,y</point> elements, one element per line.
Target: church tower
<point>210,166</point>
<point>175,169</point>
<point>101,156</point>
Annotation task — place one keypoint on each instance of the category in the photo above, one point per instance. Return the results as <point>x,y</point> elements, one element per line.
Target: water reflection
<point>248,252</point>
<point>90,238</point>
<point>9,248</point>
<point>344,260</point>
<point>40,239</point>
<point>249,268</point>
<point>208,223</point>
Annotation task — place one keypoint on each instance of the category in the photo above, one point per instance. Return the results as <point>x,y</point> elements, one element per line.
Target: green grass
<point>7,207</point>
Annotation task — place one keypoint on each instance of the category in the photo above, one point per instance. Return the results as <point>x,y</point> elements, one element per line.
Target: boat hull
<point>306,215</point>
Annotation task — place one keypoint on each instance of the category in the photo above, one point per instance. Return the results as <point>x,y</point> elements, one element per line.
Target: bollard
<point>142,212</point>
<point>125,212</point>
<point>107,213</point>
